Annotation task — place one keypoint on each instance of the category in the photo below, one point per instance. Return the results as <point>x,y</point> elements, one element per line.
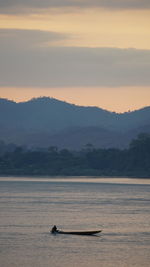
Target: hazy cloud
<point>21,6</point>
<point>15,38</point>
<point>23,66</point>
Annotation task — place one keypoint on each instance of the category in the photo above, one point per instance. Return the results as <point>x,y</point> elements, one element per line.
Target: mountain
<point>47,121</point>
<point>77,138</point>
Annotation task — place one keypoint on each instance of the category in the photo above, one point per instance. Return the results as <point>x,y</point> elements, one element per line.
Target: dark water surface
<point>30,207</point>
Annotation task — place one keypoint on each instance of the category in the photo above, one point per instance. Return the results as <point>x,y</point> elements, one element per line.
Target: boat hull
<point>78,232</point>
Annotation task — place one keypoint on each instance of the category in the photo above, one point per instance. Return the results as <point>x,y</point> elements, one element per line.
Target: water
<point>30,207</point>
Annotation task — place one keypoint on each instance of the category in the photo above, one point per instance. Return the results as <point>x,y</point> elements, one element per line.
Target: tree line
<point>131,162</point>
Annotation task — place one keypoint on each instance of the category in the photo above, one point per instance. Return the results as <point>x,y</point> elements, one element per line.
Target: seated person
<point>54,229</point>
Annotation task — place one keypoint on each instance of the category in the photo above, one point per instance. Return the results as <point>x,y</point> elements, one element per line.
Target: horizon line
<point>69,103</point>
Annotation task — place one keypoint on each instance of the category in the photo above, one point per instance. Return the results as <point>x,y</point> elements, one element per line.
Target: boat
<point>56,231</point>
<point>78,232</point>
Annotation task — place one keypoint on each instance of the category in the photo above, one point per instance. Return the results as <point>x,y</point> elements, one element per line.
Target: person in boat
<point>54,229</point>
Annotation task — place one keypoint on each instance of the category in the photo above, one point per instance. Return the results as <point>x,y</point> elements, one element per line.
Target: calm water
<point>30,207</point>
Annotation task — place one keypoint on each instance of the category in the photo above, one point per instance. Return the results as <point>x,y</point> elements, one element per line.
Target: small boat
<point>56,231</point>
<point>78,232</point>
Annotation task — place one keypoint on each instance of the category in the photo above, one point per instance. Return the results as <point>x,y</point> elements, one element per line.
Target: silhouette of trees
<point>134,161</point>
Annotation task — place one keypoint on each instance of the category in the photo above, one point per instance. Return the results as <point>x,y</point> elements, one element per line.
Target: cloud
<point>21,65</point>
<point>16,38</point>
<point>23,6</point>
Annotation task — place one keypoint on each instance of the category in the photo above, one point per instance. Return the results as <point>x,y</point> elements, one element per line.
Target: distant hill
<point>46,121</point>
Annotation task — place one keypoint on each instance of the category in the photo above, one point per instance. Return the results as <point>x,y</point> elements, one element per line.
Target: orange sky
<point>120,99</point>
<point>89,27</point>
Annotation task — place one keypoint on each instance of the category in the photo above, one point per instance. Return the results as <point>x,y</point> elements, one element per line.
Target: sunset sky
<point>86,52</point>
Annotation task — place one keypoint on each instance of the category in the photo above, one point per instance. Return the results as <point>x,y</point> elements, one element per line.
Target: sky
<point>92,53</point>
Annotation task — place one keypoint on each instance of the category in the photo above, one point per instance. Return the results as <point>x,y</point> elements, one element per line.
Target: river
<point>29,207</point>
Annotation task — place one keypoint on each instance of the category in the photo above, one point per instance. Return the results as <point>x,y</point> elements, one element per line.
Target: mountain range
<point>45,122</point>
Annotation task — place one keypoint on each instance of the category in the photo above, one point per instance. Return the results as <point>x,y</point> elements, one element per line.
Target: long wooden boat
<point>78,232</point>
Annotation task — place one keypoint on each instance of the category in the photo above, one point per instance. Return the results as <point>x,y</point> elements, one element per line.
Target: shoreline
<point>77,179</point>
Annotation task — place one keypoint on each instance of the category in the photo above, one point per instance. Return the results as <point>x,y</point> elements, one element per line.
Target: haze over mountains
<point>45,122</point>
